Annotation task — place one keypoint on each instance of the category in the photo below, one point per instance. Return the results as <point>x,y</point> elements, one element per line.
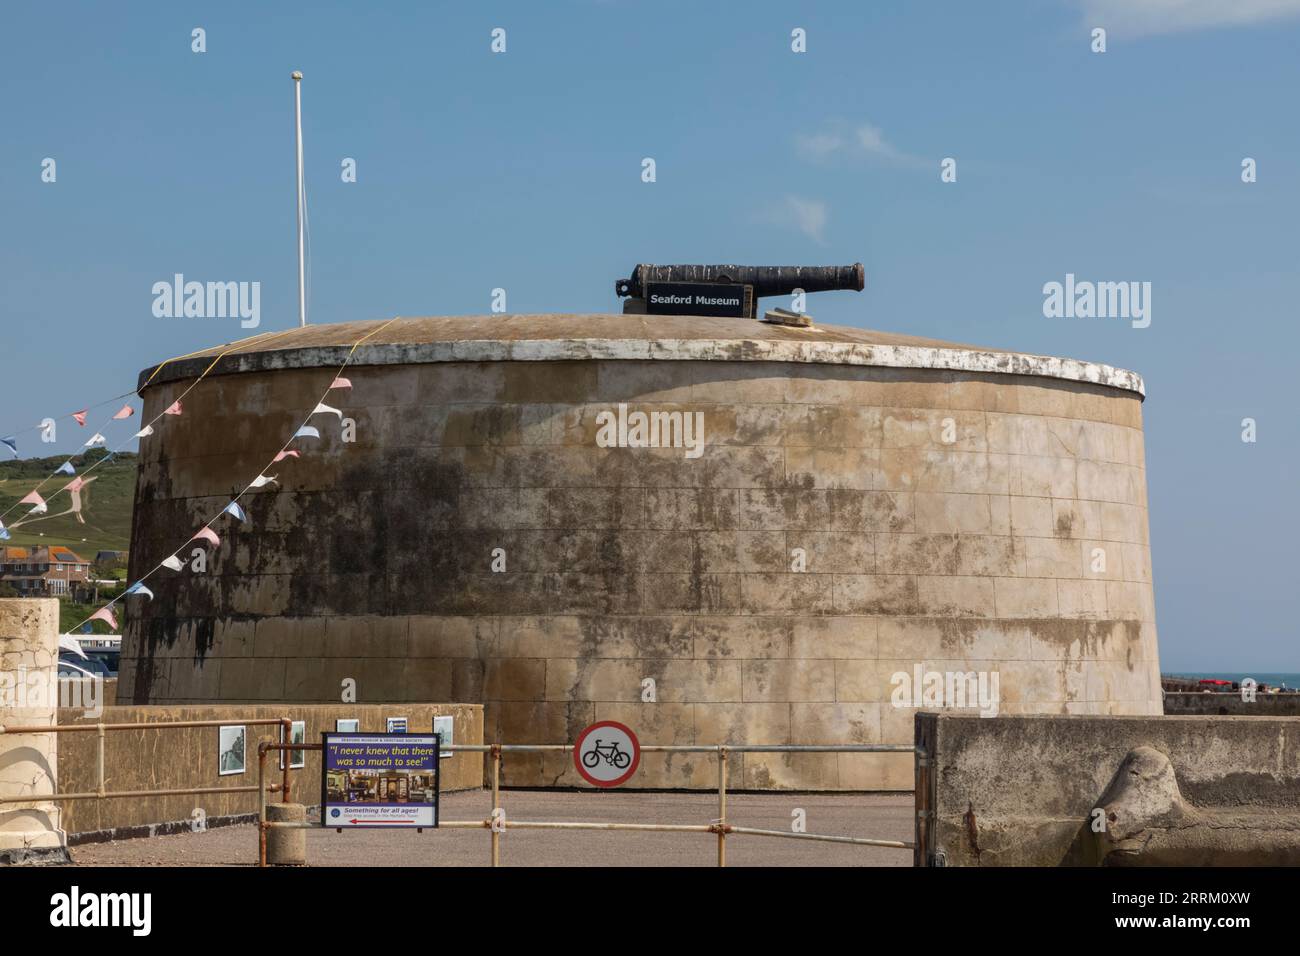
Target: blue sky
<point>522,171</point>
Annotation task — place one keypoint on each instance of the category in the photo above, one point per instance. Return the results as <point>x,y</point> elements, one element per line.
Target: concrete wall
<point>187,757</point>
<point>1264,705</point>
<point>1019,791</point>
<point>372,560</point>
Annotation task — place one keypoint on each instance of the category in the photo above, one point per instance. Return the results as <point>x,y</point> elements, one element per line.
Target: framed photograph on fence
<point>297,758</point>
<point>442,726</point>
<point>232,742</point>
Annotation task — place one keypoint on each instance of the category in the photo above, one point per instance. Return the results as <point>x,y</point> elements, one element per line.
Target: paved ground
<point>875,816</point>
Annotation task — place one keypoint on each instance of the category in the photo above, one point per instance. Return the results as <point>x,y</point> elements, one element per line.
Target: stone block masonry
<point>863,503</point>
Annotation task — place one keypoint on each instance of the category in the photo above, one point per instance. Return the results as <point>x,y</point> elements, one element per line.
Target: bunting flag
<point>262,480</point>
<point>207,534</point>
<point>173,409</point>
<point>4,534</point>
<point>11,444</point>
<point>139,588</point>
<point>323,409</point>
<point>66,468</point>
<point>283,455</point>
<point>144,432</point>
<point>340,382</point>
<point>81,417</point>
<point>33,499</point>
<point>126,411</point>
<point>76,484</point>
<point>96,439</point>
<point>234,509</point>
<point>173,562</point>
<point>104,614</point>
<point>307,431</point>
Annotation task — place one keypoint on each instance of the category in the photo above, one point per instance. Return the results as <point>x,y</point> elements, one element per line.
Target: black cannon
<point>727,289</point>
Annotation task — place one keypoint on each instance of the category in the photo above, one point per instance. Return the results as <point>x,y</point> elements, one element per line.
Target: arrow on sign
<point>395,820</point>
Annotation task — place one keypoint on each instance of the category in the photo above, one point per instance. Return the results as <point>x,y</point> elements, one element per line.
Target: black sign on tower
<point>727,290</point>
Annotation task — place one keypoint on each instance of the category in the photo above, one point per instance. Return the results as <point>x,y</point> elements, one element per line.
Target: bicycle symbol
<point>611,754</point>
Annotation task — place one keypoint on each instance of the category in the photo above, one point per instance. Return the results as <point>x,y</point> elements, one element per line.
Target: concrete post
<point>286,847</point>
<point>29,653</point>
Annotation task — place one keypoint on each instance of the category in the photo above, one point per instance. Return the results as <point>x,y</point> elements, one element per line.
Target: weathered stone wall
<point>29,632</point>
<point>1019,791</point>
<point>372,560</point>
<point>186,758</point>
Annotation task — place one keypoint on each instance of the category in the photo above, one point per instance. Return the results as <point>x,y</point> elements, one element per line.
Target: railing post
<point>99,760</point>
<point>261,803</point>
<point>496,804</point>
<point>722,806</point>
<point>286,756</point>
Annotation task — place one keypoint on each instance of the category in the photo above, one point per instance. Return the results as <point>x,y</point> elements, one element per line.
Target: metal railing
<point>496,824</point>
<point>102,793</point>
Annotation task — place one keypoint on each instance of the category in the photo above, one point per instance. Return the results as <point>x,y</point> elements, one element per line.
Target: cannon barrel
<point>766,280</point>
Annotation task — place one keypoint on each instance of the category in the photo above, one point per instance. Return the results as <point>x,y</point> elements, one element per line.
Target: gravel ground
<point>875,816</point>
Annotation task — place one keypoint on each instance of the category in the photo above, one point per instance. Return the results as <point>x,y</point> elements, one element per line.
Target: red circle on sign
<point>596,781</point>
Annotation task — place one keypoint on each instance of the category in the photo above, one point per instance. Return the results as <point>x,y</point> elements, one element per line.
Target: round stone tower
<point>712,530</point>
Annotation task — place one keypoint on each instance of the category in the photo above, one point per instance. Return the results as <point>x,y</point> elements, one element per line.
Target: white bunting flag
<point>173,562</point>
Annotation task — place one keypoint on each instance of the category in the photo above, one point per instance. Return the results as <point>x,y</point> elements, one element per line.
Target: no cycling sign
<point>606,753</point>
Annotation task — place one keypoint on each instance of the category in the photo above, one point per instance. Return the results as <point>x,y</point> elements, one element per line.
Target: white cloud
<point>808,216</point>
<point>872,140</point>
<point>844,139</point>
<point>819,145</point>
<point>1147,17</point>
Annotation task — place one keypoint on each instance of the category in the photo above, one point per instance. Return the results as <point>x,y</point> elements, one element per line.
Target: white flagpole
<point>302,279</point>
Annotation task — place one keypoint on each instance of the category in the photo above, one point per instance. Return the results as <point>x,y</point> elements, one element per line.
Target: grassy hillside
<point>106,503</point>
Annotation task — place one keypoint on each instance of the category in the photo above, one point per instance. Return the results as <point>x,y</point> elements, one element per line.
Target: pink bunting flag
<point>340,382</point>
<point>76,484</point>
<point>174,408</point>
<point>126,411</point>
<point>81,417</point>
<point>283,455</point>
<point>207,534</point>
<point>32,499</point>
<point>105,614</point>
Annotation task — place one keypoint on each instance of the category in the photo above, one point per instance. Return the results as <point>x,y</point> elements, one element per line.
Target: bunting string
<point>127,411</point>
<point>232,507</point>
